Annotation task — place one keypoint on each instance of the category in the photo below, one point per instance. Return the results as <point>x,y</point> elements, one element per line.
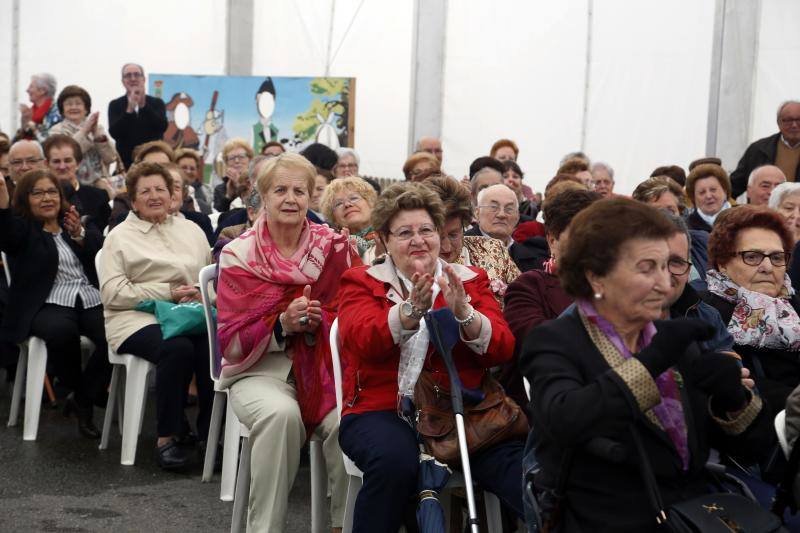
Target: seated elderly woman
<point>153,255</point>
<point>708,187</point>
<point>236,154</point>
<point>785,198</point>
<point>380,324</point>
<point>276,301</point>
<point>347,164</point>
<point>614,371</point>
<point>747,283</point>
<point>75,104</point>
<point>348,203</point>
<point>420,165</point>
<point>54,288</point>
<point>472,250</point>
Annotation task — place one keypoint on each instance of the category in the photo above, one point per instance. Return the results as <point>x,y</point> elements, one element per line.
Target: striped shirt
<point>70,280</point>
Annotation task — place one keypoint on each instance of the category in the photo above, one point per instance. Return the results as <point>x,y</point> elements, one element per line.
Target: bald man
<point>432,145</point>
<point>24,156</point>
<point>761,182</point>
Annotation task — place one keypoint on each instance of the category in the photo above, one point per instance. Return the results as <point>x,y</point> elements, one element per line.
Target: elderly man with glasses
<point>136,117</point>
<point>22,157</point>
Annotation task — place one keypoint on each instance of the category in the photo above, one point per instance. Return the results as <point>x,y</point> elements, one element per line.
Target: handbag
<point>496,418</point>
<point>187,318</point>
<point>708,513</point>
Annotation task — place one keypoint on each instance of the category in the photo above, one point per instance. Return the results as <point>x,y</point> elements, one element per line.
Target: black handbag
<point>709,513</point>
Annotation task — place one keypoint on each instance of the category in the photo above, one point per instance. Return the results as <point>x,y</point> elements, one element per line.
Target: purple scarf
<point>669,412</point>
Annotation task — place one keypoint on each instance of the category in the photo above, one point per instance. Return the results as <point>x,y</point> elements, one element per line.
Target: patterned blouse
<point>490,255</point>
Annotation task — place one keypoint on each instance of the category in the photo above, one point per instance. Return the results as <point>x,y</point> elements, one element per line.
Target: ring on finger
<point>303,320</point>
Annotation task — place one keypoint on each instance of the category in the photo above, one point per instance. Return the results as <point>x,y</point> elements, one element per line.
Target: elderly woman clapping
<point>609,369</point>
<point>748,253</point>
<point>380,325</point>
<point>276,301</point>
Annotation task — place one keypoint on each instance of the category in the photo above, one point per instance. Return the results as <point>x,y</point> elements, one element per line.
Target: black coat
<point>132,129</point>
<point>576,398</point>
<point>761,152</point>
<point>33,261</point>
<point>92,204</point>
<point>776,372</point>
<point>696,223</point>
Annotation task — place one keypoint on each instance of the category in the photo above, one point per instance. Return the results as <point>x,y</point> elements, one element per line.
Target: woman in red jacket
<point>382,334</point>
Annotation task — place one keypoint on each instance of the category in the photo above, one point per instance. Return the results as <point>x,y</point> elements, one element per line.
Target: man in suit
<point>135,118</point>
<point>63,154</point>
<point>498,215</point>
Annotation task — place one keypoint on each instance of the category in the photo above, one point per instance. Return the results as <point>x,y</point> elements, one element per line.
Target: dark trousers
<point>385,449</point>
<point>61,329</point>
<point>176,360</point>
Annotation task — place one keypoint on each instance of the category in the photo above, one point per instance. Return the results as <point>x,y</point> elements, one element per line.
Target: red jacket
<point>368,350</point>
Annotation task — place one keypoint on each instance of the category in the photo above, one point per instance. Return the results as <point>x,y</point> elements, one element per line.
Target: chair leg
<point>121,398</point>
<point>353,486</point>
<point>34,385</point>
<point>494,517</point>
<point>217,410</point>
<point>110,405</point>
<point>319,487</point>
<point>135,396</point>
<point>240,502</point>
<point>230,454</point>
<point>19,383</point>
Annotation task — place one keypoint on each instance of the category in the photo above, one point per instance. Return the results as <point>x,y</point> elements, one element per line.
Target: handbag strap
<point>649,478</point>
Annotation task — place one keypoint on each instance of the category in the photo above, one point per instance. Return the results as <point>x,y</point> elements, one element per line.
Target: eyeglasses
<point>347,165</point>
<point>678,266</point>
<point>352,200</point>
<point>30,161</point>
<point>239,157</point>
<point>40,194</point>
<point>133,75</point>
<point>755,258</point>
<point>509,210</point>
<point>788,121</point>
<point>406,234</point>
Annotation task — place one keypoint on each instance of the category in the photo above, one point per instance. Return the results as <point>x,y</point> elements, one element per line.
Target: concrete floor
<point>63,483</point>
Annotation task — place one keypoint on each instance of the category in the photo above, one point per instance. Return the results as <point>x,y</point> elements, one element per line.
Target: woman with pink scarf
<point>276,301</point>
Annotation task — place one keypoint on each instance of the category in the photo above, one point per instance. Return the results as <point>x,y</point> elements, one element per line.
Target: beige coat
<point>144,261</point>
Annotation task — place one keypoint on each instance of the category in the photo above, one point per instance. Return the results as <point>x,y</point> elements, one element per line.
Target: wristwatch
<point>409,310</point>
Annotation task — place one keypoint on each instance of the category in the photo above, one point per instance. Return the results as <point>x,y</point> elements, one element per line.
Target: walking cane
<point>444,318</point>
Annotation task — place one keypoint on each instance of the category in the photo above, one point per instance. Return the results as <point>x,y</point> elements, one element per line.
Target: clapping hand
<point>422,290</point>
<point>72,222</point>
<point>453,292</point>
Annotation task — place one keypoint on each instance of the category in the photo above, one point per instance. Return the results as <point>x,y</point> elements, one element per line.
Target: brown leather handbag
<point>495,419</point>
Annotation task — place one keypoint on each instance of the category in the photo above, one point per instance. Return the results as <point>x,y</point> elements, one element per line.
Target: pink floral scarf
<point>256,284</point>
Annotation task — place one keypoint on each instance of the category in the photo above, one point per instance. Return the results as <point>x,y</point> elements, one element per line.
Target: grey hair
<point>754,173</point>
<point>482,193</point>
<point>122,70</point>
<point>46,81</point>
<point>780,193</point>
<point>251,169</point>
<point>474,179</point>
<point>254,200</point>
<point>26,142</point>
<point>603,166</point>
<point>418,146</point>
<point>679,223</point>
<point>341,152</point>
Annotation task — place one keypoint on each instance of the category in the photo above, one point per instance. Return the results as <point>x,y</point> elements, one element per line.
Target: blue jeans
<point>385,449</point>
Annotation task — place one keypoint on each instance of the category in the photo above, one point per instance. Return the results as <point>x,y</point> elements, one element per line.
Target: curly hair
<point>573,166</point>
<point>286,161</point>
<point>651,189</point>
<point>142,170</point>
<point>417,158</point>
<point>455,198</point>
<point>722,241</point>
<point>348,184</point>
<point>406,196</point>
<point>597,235</point>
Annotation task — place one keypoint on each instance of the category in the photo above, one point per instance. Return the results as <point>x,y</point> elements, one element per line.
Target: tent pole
<point>588,72</point>
<point>14,66</point>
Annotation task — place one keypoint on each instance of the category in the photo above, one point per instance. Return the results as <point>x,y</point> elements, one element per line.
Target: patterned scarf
<point>758,320</point>
<point>669,413</point>
<point>256,284</point>
<point>365,239</point>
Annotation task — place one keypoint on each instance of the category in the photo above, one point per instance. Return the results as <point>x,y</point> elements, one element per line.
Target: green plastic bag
<point>177,319</point>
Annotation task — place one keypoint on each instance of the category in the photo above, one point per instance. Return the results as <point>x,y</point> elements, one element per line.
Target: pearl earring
<point>598,295</point>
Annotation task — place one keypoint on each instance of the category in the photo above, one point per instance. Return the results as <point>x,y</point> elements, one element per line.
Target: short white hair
<point>27,142</point>
<point>780,193</point>
<point>784,104</point>
<point>341,152</point>
<point>498,186</point>
<point>603,166</point>
<point>46,81</point>
<point>122,70</point>
<point>754,173</point>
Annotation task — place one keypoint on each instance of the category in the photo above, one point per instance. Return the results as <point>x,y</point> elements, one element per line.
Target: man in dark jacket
<point>63,155</point>
<point>135,118</point>
<point>781,149</point>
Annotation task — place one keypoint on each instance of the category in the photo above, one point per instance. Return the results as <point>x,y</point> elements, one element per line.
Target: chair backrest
<point>337,365</point>
<point>6,268</point>
<point>207,275</point>
<point>97,265</point>
<point>780,429</point>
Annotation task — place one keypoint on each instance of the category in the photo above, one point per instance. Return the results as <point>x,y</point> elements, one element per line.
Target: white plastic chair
<point>780,429</point>
<point>493,514</point>
<point>135,394</point>
<point>31,370</point>
<point>236,487</point>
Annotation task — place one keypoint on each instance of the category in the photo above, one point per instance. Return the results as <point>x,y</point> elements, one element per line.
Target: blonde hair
<point>340,185</point>
<point>232,144</point>
<point>289,161</point>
